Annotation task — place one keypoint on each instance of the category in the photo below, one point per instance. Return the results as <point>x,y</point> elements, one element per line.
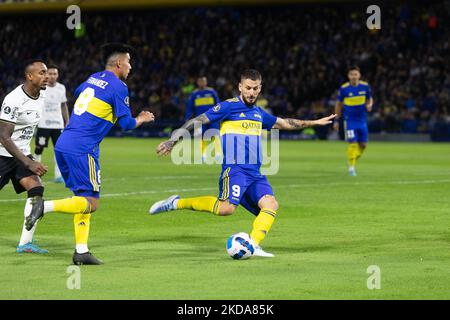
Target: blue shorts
<point>243,188</point>
<point>356,131</point>
<point>81,173</point>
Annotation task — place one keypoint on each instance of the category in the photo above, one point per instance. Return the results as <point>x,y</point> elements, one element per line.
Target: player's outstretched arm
<point>127,122</point>
<point>165,147</point>
<point>296,124</point>
<point>6,131</point>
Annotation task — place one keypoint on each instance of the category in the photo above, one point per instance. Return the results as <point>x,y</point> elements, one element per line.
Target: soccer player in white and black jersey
<point>19,115</point>
<point>55,117</point>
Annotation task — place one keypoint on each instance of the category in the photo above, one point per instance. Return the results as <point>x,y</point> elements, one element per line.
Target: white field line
<point>307,185</point>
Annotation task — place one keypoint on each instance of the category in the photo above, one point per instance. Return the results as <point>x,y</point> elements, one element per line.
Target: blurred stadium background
<point>302,49</point>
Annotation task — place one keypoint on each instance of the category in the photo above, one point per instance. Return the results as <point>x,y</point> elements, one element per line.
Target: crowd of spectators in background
<point>302,52</point>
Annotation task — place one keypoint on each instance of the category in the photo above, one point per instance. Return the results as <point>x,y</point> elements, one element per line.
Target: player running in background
<point>102,100</point>
<point>55,116</point>
<point>19,115</point>
<point>200,101</point>
<point>355,97</point>
<point>241,125</point>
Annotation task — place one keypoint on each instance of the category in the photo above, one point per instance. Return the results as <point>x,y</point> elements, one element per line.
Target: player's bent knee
<point>226,209</point>
<point>30,182</point>
<point>362,145</point>
<point>274,205</point>
<point>269,201</point>
<point>93,204</point>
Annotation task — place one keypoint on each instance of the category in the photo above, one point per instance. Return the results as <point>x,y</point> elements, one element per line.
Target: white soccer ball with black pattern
<point>240,246</point>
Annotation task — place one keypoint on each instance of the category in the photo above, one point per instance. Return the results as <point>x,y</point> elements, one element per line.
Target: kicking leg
<point>205,204</point>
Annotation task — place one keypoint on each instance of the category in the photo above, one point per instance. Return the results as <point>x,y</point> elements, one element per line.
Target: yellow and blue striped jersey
<point>241,127</point>
<point>201,101</point>
<point>354,99</point>
<point>101,101</point>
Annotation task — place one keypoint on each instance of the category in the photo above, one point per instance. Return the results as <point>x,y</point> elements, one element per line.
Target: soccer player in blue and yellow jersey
<point>201,100</point>
<point>102,100</point>
<point>355,97</point>
<point>241,182</point>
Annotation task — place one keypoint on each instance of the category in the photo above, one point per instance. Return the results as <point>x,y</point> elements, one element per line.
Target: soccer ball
<point>240,246</point>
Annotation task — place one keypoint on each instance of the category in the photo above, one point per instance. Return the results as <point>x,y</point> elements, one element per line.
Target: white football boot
<point>259,252</point>
<point>164,205</point>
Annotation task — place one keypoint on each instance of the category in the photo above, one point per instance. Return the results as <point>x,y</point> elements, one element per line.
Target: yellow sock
<point>262,224</point>
<point>81,223</point>
<point>72,205</point>
<point>352,153</point>
<point>203,145</point>
<point>206,203</point>
<point>360,152</point>
<point>217,146</point>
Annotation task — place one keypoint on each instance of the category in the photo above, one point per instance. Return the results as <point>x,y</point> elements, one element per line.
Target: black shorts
<point>14,170</point>
<point>43,136</point>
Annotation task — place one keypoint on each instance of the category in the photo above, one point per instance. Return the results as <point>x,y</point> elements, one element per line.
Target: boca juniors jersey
<point>354,99</point>
<point>201,101</point>
<point>241,127</point>
<point>101,100</point>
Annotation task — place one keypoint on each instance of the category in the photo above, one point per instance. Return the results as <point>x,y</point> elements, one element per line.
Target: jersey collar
<point>33,98</point>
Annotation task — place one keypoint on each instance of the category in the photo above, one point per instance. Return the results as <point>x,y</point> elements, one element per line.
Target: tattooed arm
<point>165,147</point>
<point>295,124</point>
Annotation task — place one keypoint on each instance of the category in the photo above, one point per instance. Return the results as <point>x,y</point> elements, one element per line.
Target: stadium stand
<point>302,51</point>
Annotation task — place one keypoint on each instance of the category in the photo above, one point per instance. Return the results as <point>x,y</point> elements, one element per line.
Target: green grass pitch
<point>330,229</point>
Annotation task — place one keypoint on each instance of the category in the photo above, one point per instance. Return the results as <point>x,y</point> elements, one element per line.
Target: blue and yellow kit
<point>354,99</point>
<point>201,101</point>
<point>241,127</point>
<point>102,100</point>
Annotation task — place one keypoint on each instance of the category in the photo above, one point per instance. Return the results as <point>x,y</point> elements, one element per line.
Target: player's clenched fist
<point>146,116</point>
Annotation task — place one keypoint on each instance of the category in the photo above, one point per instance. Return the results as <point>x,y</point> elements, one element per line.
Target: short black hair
<point>251,74</point>
<point>352,68</point>
<point>29,62</point>
<point>110,49</point>
<point>52,66</point>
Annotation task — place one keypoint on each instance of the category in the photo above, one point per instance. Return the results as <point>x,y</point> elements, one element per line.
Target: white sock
<point>57,172</point>
<point>49,206</point>
<point>27,236</point>
<point>81,248</point>
<point>175,203</point>
<point>37,157</point>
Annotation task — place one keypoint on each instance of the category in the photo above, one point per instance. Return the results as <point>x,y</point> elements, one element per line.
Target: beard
<point>248,103</point>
